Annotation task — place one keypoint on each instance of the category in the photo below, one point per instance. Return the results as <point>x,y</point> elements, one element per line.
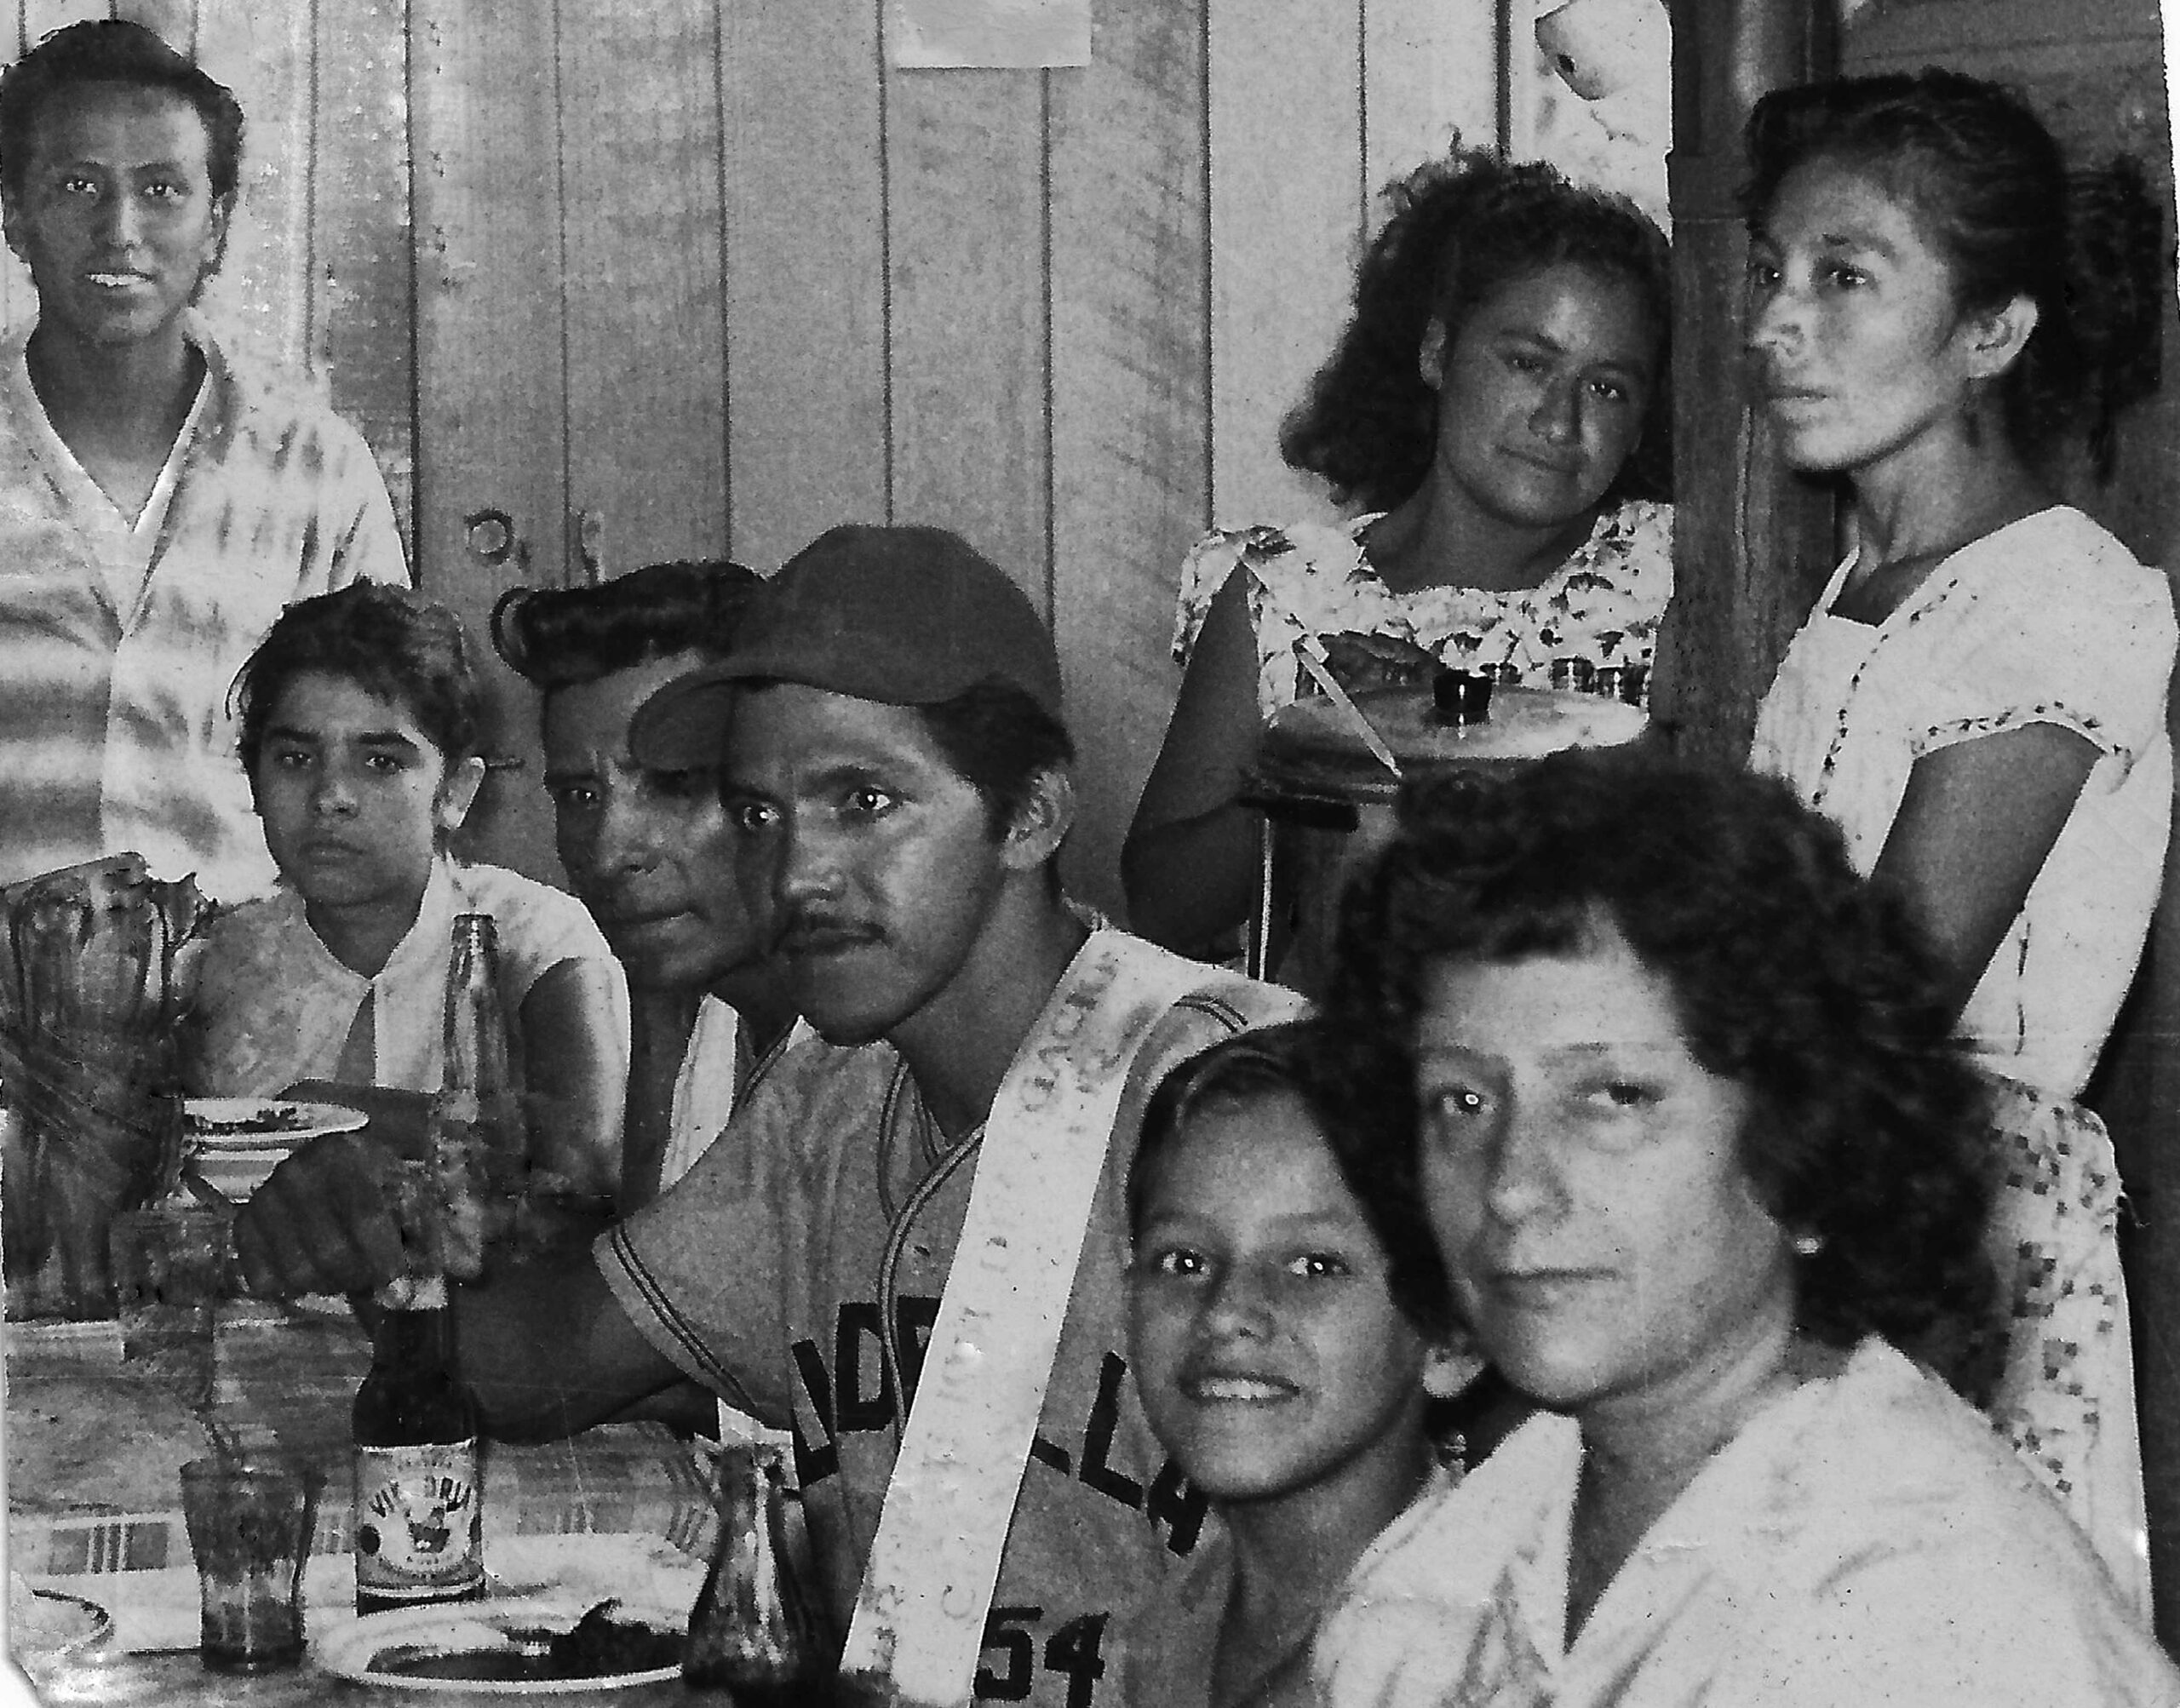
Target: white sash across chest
<point>934,1563</point>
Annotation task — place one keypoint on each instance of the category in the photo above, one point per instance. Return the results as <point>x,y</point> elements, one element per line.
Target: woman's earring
<point>1448,1369</point>
<point>1808,1245</point>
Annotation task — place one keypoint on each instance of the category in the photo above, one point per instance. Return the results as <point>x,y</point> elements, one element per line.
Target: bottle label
<point>418,1531</point>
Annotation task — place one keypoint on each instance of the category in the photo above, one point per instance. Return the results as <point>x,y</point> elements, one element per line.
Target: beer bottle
<point>419,1534</point>
<point>477,1143</point>
<point>478,1086</point>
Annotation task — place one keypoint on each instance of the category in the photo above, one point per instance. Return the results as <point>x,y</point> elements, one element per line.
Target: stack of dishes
<point>237,1142</point>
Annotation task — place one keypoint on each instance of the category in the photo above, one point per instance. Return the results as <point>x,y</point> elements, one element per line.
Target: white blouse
<point>2050,620</point>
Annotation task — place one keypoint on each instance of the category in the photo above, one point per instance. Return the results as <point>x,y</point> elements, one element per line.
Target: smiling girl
<point>1941,316</point>
<point>360,717</point>
<point>1282,1312</point>
<point>1498,409</point>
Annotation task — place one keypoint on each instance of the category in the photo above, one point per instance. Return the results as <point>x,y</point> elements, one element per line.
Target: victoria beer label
<point>418,1533</point>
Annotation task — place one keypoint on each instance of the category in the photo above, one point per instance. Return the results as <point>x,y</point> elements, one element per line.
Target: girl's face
<point>354,796</point>
<point>1582,1173</point>
<point>1269,1353</point>
<point>1863,357</point>
<point>1542,394</point>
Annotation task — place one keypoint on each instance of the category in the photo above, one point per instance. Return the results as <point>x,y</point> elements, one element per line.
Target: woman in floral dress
<point>1938,312</point>
<point>1497,410</point>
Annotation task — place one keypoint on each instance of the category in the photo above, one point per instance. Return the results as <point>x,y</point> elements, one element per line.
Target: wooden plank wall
<point>1752,544</point>
<point>1060,311</point>
<point>536,249</point>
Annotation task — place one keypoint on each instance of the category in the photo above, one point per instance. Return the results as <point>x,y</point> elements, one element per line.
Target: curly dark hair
<point>1792,976</point>
<point>1992,192</point>
<point>387,640</point>
<point>1460,230</point>
<point>1295,1058</point>
<point>112,50</point>
<point>561,637</point>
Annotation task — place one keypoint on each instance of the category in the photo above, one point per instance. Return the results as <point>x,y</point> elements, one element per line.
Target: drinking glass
<point>249,1528</point>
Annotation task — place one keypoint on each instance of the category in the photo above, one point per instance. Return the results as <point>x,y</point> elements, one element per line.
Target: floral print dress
<point>1601,606</point>
<point>2048,620</point>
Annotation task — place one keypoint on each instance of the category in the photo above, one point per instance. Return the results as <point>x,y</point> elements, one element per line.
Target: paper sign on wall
<point>997,33</point>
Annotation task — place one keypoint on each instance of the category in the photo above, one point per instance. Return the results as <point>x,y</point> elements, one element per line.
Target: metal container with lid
<point>1328,800</point>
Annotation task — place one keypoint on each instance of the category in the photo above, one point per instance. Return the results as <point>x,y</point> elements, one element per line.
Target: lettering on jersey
<point>814,1461</point>
<point>1098,1436</point>
<point>863,1386</point>
<point>855,1396</point>
<point>1008,1669</point>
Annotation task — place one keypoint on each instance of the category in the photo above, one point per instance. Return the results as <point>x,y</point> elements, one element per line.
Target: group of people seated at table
<point>1725,1120</point>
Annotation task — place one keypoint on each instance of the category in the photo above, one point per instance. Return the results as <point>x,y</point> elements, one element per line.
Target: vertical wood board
<point>1752,544</point>
<point>1130,352</point>
<point>1285,131</point>
<point>1429,74</point>
<point>35,20</point>
<point>491,393</point>
<point>261,297</point>
<point>804,193</point>
<point>180,21</point>
<point>967,307</point>
<point>645,334</point>
<point>363,274</point>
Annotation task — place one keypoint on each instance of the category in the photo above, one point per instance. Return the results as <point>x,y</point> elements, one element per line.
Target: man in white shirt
<point>160,502</point>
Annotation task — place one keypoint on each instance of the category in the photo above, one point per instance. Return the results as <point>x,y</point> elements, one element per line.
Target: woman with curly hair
<point>1497,409</point>
<point>1706,1170</point>
<point>1940,315</point>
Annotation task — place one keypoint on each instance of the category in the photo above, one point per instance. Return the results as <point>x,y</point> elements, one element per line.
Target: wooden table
<point>287,1375</point>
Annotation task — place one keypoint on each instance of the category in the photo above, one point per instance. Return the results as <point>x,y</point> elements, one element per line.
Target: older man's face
<point>648,852</point>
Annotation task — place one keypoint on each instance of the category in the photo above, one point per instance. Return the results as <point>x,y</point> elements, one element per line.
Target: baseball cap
<point>905,616</point>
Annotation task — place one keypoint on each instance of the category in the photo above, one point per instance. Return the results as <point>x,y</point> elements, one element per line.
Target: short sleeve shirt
<point>2048,620</point>
<point>797,1270</point>
<point>271,1006</point>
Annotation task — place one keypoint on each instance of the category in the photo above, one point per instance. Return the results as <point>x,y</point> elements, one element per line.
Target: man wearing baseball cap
<point>924,1198</point>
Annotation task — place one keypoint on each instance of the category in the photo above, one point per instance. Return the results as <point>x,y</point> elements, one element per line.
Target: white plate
<point>56,1628</point>
<point>482,1628</point>
<point>265,1123</point>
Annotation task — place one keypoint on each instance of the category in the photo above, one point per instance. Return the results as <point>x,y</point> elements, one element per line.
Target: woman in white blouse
<point>1941,314</point>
